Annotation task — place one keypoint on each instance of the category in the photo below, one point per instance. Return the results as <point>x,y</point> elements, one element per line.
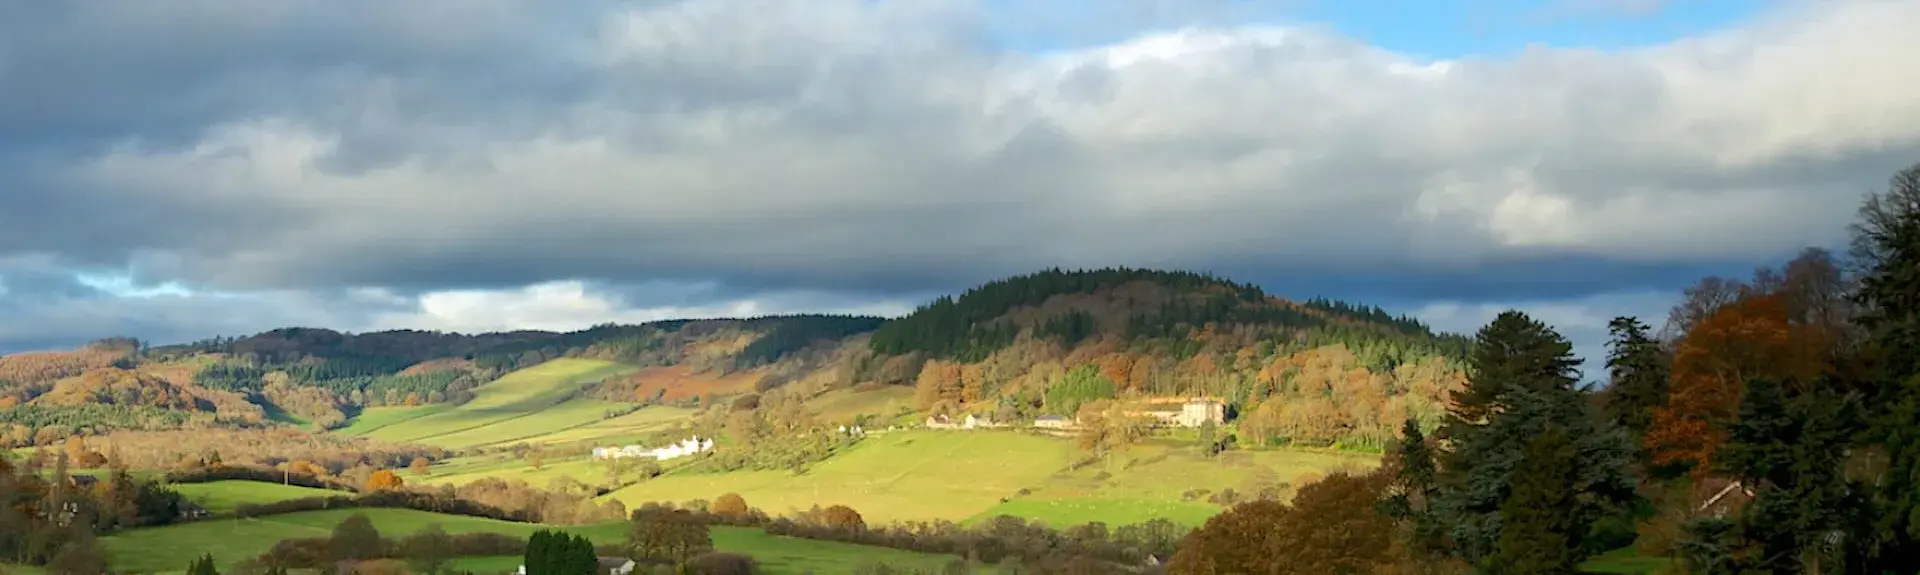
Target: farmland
<point>220,496</point>
<point>170,548</point>
<point>523,404</point>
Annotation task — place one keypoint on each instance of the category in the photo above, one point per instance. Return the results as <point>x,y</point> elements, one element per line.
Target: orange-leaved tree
<point>384,479</point>
<point>1753,336</point>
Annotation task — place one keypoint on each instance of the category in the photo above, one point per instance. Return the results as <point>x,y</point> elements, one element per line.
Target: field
<point>843,405</point>
<point>921,475</point>
<point>219,496</point>
<point>170,548</point>
<point>528,403</point>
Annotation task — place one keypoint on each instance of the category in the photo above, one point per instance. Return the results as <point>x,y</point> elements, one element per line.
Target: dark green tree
<point>354,539</point>
<point>1886,248</point>
<point>1790,451</point>
<point>202,566</point>
<point>1410,497</point>
<point>1640,370</point>
<point>1540,520</point>
<point>428,549</point>
<point>1521,380</point>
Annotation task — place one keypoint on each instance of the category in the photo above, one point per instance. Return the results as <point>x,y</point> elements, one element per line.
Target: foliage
<point>1522,382</point>
<point>428,549</point>
<point>1321,532</point>
<point>202,566</point>
<point>1886,246</point>
<point>670,534</point>
<point>1639,370</point>
<point>384,479</point>
<point>557,553</point>
<point>355,539</point>
<point>1081,386</point>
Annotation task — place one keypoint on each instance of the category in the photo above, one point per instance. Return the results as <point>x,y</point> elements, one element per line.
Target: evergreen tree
<point>1410,497</point>
<point>1886,245</point>
<point>202,566</point>
<point>1790,452</point>
<point>1521,380</point>
<point>1540,522</point>
<point>539,550</point>
<point>1639,369</point>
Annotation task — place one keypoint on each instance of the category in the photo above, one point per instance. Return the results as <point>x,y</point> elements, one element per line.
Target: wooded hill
<point>1317,371</point>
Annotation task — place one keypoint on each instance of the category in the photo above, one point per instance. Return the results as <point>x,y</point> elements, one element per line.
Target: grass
<point>526,403</point>
<point>219,496</point>
<point>374,418</point>
<point>913,475</point>
<point>1623,561</point>
<point>619,430</point>
<point>1169,479</point>
<point>843,405</point>
<point>170,548</point>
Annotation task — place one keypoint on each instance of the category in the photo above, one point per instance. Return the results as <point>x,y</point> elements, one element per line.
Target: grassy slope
<point>375,418</point>
<point>220,496</point>
<point>170,548</point>
<point>1154,479</point>
<point>890,477</point>
<point>522,404</point>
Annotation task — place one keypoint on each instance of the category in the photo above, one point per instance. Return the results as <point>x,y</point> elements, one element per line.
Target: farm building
<point>1184,412</point>
<point>1052,422</point>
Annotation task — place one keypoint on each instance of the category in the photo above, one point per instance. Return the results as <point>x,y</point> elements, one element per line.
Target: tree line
<point>1768,427</point>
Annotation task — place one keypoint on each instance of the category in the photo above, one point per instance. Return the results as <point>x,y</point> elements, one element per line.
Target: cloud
<point>441,153</point>
<point>1583,320</point>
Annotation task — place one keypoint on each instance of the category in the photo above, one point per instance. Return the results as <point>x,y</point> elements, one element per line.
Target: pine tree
<point>1540,523</point>
<point>539,549</point>
<point>1410,496</point>
<point>1790,452</point>
<point>202,566</point>
<point>1886,243</point>
<point>1521,380</point>
<point>1640,370</point>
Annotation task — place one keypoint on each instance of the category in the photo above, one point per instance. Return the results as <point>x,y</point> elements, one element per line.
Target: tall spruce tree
<point>1539,522</point>
<point>1410,497</point>
<point>1886,247</point>
<point>1521,379</point>
<point>1790,452</point>
<point>1639,370</point>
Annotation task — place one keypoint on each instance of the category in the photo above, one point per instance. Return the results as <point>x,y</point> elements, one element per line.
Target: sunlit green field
<point>171,548</point>
<point>524,404</point>
<point>219,496</point>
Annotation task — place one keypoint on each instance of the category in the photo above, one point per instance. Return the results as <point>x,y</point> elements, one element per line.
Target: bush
<point>718,563</point>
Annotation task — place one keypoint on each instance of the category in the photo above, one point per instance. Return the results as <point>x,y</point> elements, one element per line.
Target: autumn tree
<point>1107,427</point>
<point>1332,527</point>
<point>1239,540</point>
<point>674,535</point>
<point>419,466</point>
<point>843,518</point>
<point>729,504</point>
<point>384,479</point>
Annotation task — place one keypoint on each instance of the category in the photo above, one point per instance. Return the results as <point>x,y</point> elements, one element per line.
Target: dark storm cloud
<point>887,150</point>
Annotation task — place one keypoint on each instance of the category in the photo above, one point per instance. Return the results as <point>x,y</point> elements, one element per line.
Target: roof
<point>612,562</point>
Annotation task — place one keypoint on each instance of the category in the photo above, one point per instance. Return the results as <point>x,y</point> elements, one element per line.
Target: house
<point>608,566</point>
<point>974,421</point>
<point>1187,412</point>
<point>1052,422</point>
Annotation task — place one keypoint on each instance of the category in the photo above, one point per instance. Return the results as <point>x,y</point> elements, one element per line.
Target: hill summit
<point>1317,371</point>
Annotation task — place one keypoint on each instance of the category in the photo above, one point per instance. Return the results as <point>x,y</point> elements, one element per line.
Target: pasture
<point>170,548</point>
<point>909,475</point>
<point>527,403</point>
<point>222,496</point>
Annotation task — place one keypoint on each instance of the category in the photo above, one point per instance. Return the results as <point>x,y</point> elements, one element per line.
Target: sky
<point>176,170</point>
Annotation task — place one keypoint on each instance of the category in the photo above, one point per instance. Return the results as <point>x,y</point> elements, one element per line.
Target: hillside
<point>1315,372</point>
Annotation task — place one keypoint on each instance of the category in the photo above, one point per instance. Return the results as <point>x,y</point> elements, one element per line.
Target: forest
<point>1768,426</point>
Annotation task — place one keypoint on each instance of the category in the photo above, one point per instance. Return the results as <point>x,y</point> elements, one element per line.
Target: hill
<point>1316,373</point>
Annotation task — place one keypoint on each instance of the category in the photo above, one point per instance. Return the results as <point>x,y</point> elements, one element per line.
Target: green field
<point>170,548</point>
<point>956,475</point>
<point>890,477</point>
<point>524,404</point>
<point>375,418</point>
<point>219,496</point>
<point>622,430</point>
